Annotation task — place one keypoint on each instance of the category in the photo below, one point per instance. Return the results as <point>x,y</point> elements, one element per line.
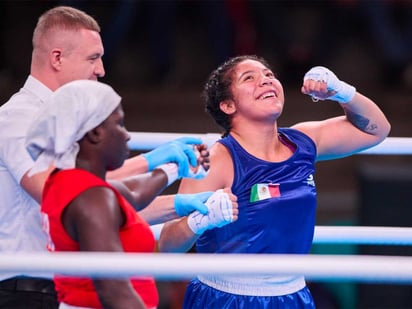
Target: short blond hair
<point>62,18</point>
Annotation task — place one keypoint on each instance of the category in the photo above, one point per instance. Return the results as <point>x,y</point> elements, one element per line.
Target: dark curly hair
<point>217,89</point>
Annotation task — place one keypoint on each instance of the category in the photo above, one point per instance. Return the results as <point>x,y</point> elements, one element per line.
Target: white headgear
<point>74,109</point>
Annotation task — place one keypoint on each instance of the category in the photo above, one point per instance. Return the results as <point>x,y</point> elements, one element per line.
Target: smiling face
<point>256,93</point>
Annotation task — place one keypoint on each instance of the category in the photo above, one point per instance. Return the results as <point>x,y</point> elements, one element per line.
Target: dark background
<point>159,53</point>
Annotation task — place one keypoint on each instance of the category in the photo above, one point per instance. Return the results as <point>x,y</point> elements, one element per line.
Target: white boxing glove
<point>343,92</point>
<point>220,213</point>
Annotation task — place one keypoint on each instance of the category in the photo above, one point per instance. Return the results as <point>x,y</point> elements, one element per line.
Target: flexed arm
<point>363,126</point>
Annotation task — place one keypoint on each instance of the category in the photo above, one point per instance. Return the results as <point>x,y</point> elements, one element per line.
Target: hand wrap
<point>343,91</point>
<point>171,171</point>
<point>199,174</point>
<point>220,213</point>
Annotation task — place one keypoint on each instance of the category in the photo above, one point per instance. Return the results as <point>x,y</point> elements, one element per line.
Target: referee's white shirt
<point>20,221</point>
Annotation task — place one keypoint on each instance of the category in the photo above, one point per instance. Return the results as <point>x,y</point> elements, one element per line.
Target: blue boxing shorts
<point>202,296</point>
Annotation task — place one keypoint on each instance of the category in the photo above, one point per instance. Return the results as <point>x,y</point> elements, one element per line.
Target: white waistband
<point>256,285</point>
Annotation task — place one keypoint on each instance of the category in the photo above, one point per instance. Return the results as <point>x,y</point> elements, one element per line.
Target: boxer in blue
<point>271,171</point>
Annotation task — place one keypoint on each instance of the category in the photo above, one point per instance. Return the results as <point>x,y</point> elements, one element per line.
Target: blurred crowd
<point>155,40</point>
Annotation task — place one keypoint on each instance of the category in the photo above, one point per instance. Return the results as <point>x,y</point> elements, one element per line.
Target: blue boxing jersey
<point>277,201</point>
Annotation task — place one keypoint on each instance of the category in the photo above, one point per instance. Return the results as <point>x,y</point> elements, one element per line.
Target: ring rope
<point>150,140</point>
<point>171,266</point>
<point>367,235</point>
<point>359,235</point>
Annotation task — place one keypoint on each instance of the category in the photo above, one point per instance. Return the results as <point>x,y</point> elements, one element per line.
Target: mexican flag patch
<point>263,191</point>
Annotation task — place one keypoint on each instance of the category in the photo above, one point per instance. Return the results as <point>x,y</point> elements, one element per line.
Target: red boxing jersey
<point>135,234</point>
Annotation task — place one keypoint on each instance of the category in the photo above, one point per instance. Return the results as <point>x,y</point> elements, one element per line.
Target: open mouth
<point>268,94</point>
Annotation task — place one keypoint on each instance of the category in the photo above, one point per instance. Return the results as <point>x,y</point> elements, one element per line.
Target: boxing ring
<point>360,268</point>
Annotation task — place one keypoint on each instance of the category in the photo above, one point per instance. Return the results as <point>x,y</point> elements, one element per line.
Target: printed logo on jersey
<point>310,180</point>
<point>263,191</point>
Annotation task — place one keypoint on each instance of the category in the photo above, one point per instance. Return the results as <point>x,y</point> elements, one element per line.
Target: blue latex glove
<point>179,151</point>
<point>187,203</point>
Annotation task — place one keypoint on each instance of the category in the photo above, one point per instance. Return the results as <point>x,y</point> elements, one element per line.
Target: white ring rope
<point>366,235</point>
<point>360,235</point>
<point>366,268</point>
<point>149,140</point>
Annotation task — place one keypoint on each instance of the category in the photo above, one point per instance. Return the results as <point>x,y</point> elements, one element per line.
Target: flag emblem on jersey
<point>263,191</point>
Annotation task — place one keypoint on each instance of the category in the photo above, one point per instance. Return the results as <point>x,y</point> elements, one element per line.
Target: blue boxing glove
<point>179,151</point>
<point>187,203</point>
